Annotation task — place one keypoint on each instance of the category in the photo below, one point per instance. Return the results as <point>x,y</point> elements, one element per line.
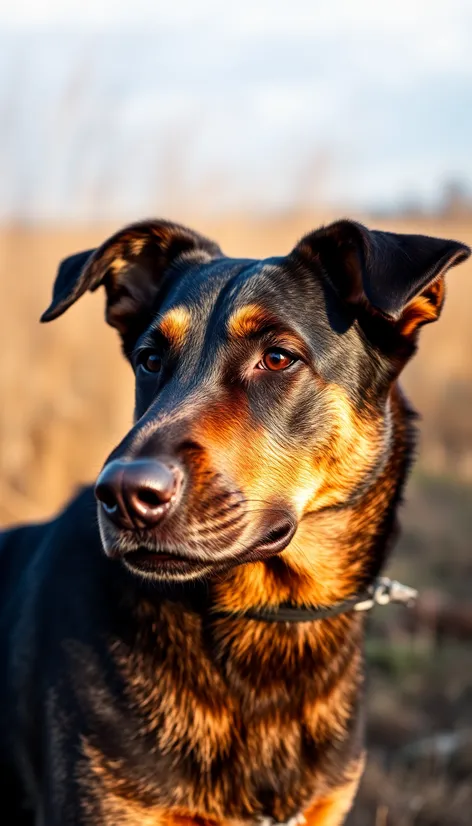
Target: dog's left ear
<point>133,266</point>
<point>399,276</point>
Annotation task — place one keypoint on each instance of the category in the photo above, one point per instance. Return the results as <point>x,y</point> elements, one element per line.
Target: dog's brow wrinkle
<point>174,325</point>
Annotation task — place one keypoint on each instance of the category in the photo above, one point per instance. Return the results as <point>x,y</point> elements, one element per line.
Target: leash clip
<point>387,590</point>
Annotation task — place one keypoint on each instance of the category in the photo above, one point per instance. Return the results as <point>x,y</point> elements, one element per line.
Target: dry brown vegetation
<point>67,399</point>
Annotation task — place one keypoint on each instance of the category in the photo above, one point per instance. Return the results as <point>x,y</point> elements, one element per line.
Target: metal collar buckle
<point>382,592</point>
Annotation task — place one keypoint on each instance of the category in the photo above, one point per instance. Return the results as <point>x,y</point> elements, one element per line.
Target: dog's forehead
<point>218,280</point>
<point>227,287</point>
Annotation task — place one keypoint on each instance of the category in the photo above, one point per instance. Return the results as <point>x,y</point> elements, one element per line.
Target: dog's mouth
<point>173,563</point>
<point>163,563</point>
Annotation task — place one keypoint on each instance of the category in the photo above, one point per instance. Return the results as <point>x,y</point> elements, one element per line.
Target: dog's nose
<point>137,494</point>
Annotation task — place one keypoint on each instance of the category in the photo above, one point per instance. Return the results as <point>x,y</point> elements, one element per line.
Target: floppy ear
<point>132,267</point>
<point>398,276</point>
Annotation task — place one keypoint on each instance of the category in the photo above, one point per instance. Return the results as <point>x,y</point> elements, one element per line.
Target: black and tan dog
<point>270,446</point>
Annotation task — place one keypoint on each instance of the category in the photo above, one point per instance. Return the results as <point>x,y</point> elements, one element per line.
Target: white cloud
<point>247,95</point>
<point>426,17</point>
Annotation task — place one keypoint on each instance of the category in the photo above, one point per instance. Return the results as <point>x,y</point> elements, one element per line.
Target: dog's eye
<point>151,361</point>
<point>275,359</point>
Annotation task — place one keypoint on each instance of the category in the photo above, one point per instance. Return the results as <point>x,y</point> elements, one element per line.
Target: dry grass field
<point>67,398</point>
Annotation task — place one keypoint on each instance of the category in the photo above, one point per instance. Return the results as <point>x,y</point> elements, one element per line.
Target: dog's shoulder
<point>50,574</point>
<point>50,617</point>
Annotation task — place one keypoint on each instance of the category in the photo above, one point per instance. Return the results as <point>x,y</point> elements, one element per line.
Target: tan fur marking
<point>247,320</point>
<point>179,722</point>
<point>137,245</point>
<point>119,808</point>
<point>175,325</point>
<point>332,810</point>
<point>329,714</point>
<point>424,308</point>
<point>118,264</point>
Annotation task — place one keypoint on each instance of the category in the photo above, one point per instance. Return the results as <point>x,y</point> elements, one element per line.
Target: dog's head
<point>262,387</point>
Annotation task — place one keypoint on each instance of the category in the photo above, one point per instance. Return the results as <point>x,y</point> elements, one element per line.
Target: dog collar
<point>382,592</point>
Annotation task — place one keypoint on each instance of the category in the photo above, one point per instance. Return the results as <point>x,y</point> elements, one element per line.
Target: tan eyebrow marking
<point>175,325</point>
<point>247,320</point>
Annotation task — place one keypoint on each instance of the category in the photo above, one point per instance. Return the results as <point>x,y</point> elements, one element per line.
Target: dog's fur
<point>125,697</point>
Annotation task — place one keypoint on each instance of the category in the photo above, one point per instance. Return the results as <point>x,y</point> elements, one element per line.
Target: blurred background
<point>254,122</point>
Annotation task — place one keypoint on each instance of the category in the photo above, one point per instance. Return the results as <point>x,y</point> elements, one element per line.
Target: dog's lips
<point>161,562</point>
<point>173,562</point>
<point>157,556</point>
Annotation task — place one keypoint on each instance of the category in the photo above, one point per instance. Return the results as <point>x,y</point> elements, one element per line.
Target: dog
<point>140,680</point>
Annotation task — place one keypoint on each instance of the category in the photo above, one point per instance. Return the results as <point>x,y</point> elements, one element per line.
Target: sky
<point>112,110</point>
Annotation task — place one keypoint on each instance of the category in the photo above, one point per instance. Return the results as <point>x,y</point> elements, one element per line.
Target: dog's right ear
<point>132,266</point>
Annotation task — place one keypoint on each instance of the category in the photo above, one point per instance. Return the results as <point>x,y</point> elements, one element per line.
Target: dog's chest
<point>201,738</point>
